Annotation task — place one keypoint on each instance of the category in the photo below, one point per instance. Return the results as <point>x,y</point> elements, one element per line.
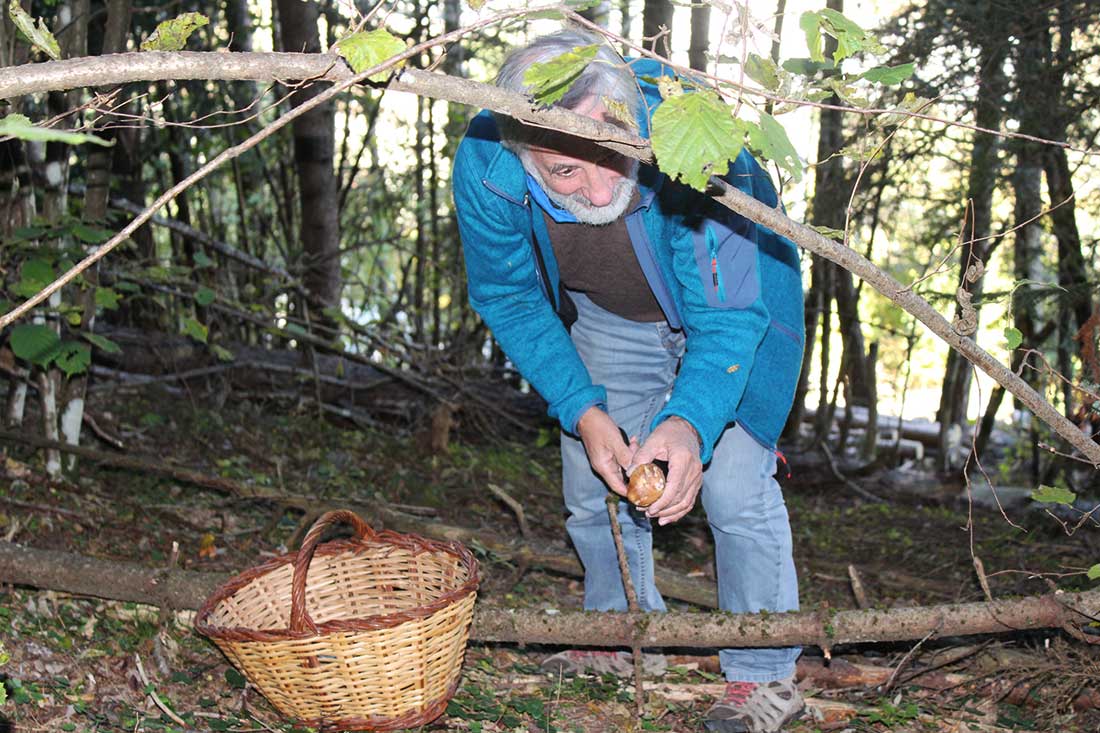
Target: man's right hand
<point>607,452</point>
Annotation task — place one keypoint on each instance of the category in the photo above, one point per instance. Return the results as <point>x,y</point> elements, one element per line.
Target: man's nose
<point>601,185</point>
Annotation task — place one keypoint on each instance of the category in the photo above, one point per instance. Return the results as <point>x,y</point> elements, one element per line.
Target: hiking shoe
<point>755,707</point>
<point>620,664</point>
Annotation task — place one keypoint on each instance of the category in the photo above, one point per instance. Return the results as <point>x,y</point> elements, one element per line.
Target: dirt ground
<point>78,664</point>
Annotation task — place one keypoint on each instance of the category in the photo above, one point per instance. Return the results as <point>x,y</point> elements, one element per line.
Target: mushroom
<point>647,483</point>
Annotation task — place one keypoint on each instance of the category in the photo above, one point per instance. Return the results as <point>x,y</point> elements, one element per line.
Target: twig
<point>847,481</point>
<point>106,437</point>
<point>156,698</point>
<point>857,587</point>
<point>515,506</point>
<point>44,509</point>
<point>983,581</point>
<point>905,660</point>
<point>631,600</point>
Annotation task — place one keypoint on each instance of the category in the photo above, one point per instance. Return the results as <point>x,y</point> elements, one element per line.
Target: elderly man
<point>637,306</point>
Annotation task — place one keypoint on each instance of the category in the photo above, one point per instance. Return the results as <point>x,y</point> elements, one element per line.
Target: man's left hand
<point>676,442</point>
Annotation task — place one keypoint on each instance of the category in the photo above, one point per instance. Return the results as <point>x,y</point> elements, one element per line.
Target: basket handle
<point>299,619</point>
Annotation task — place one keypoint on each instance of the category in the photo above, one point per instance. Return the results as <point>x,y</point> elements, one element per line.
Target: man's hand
<point>676,442</point>
<point>607,452</point>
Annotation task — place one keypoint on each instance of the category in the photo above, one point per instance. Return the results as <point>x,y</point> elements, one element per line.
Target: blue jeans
<point>637,364</point>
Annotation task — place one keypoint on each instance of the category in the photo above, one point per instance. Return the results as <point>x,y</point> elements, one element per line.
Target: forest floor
<point>79,664</point>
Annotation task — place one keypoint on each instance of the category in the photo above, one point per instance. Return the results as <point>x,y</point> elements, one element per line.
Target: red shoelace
<point>738,692</point>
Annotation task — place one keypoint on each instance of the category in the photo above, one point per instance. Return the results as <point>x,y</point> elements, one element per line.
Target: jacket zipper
<point>715,273</point>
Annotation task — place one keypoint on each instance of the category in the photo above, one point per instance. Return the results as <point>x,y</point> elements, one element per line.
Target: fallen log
<point>180,589</point>
<point>671,585</point>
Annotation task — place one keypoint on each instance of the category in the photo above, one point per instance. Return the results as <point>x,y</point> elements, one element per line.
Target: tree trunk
<point>656,20</point>
<point>314,153</point>
<point>96,195</point>
<point>700,36</point>
<point>777,31</point>
<point>978,224</point>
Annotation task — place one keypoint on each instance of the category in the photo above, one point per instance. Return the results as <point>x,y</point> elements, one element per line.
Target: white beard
<point>582,208</point>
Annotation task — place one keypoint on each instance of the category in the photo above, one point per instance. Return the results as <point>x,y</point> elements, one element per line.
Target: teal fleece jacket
<point>733,286</point>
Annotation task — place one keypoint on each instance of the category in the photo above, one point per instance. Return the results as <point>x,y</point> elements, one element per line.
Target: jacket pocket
<point>726,260</point>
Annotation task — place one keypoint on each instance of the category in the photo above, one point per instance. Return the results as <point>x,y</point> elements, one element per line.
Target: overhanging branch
<point>131,67</point>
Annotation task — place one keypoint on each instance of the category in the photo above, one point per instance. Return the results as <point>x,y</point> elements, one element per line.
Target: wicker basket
<point>376,634</point>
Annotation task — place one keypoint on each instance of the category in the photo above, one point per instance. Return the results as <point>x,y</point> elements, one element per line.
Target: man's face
<point>593,183</point>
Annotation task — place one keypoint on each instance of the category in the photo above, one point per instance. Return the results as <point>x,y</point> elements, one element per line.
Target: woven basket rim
<point>414,543</point>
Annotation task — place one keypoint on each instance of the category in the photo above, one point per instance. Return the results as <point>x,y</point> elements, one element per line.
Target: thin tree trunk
<point>657,26</point>
<point>73,15</point>
<point>96,196</point>
<point>978,224</point>
<point>780,11</point>
<point>314,154</point>
<point>700,35</point>
<point>18,209</point>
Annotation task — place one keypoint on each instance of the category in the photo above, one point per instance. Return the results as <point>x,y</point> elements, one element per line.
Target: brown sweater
<point>599,261</point>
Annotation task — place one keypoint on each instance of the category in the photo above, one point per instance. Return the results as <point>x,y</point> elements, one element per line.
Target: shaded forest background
<point>324,267</point>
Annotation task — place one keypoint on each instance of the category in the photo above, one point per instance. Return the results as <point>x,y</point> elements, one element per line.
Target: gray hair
<point>607,77</point>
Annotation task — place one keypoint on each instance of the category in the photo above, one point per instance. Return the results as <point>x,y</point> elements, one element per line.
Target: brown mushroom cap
<point>647,483</point>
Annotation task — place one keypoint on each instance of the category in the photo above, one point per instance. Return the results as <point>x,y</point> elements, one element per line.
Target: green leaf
<point>810,23</point>
<point>39,35</point>
<point>475,4</point>
<point>1053,495</point>
<point>37,273</point>
<point>889,74</point>
<point>204,296</point>
<point>763,71</point>
<point>222,353</point>
<point>20,126</point>
<point>172,35</point>
<point>90,234</point>
<point>1013,338</point>
<point>194,329</point>
<point>1094,572</point>
<point>202,260</point>
<point>549,81</point>
<point>837,234</point>
<point>102,343</point>
<point>620,112</point>
<point>850,37</point>
<point>35,342</point>
<point>368,49</point>
<point>73,358</point>
<point>771,141</point>
<point>26,288</point>
<point>694,136</point>
<point>107,298</point>
<point>807,67</point>
<point>235,678</point>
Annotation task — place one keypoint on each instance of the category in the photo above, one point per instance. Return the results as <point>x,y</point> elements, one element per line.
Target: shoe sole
<point>729,726</point>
